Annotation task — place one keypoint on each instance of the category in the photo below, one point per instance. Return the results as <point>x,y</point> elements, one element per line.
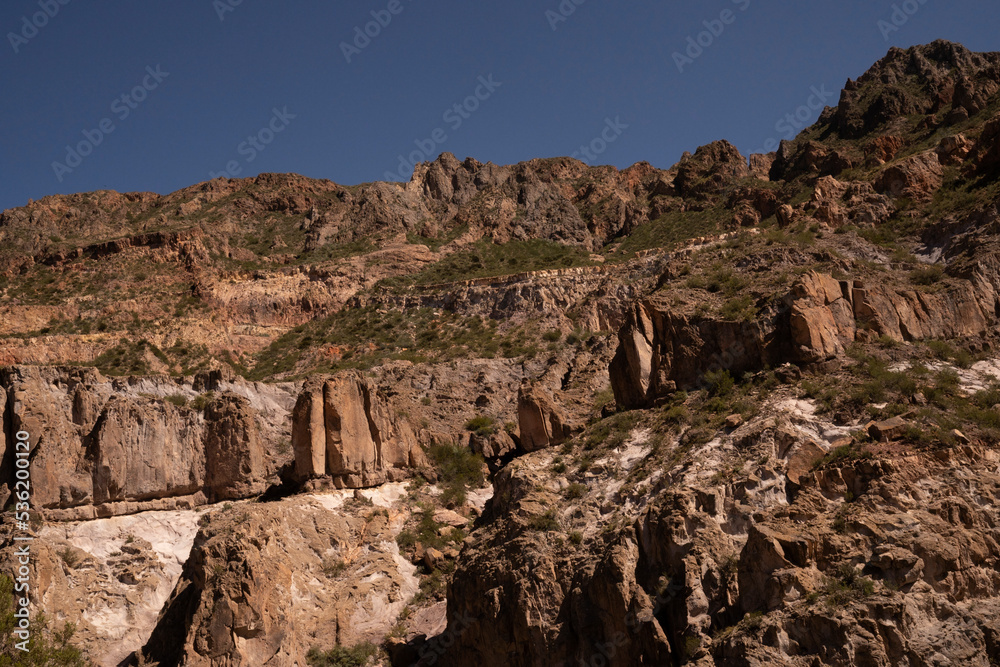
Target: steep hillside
<point>742,411</point>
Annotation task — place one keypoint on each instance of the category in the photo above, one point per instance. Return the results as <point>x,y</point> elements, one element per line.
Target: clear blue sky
<point>607,60</point>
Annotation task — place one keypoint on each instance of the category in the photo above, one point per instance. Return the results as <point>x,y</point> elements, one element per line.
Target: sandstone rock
<point>234,454</point>
<point>540,422</point>
<point>889,429</point>
<point>660,350</point>
<point>898,565</point>
<point>342,428</point>
<point>802,459</point>
<point>882,149</point>
<point>450,518</point>
<point>986,153</point>
<point>710,170</point>
<point>746,216</point>
<point>760,165</point>
<point>734,421</point>
<point>786,216</point>
<point>917,177</point>
<point>837,203</point>
<point>144,450</point>
<point>822,319</point>
<point>953,150</point>
<point>254,590</point>
<point>433,558</point>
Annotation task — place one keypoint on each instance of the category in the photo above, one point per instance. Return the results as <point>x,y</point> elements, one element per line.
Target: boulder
<point>541,423</point>
<point>888,429</point>
<point>954,149</point>
<point>917,177</point>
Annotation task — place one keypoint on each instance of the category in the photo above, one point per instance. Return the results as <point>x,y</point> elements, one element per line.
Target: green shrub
<point>927,275</point>
<point>575,490</point>
<point>201,401</point>
<point>177,399</point>
<point>340,656</point>
<point>334,568</point>
<point>576,537</point>
<point>546,521</point>
<point>459,469</point>
<point>484,426</point>
<point>719,383</point>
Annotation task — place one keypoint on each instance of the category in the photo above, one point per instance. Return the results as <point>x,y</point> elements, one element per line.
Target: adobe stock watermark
<point>900,16</point>
<point>455,116</point>
<point>122,107</point>
<point>797,120</point>
<point>714,28</point>
<point>22,514</point>
<point>589,152</point>
<point>31,25</point>
<point>223,7</point>
<point>562,13</point>
<point>255,144</point>
<point>363,36</point>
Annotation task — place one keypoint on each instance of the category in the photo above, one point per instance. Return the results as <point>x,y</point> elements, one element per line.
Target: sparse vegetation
<point>340,656</point>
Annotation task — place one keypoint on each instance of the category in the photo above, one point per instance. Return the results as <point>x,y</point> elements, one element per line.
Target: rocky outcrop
<point>143,450</point>
<point>235,466</point>
<point>838,204</point>
<point>267,582</point>
<point>986,151</point>
<point>710,170</point>
<point>661,350</point>
<point>540,422</point>
<point>822,318</point>
<point>342,428</point>
<point>917,177</point>
<point>106,447</point>
<point>949,78</point>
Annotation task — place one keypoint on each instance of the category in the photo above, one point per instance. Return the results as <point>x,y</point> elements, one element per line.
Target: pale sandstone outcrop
<point>342,428</point>
<point>260,587</point>
<point>102,447</point>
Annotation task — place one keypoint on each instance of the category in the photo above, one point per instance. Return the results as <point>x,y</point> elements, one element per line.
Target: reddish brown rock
<point>953,150</point>
<point>882,149</point>
<point>541,423</point>
<point>235,466</point>
<point>917,177</point>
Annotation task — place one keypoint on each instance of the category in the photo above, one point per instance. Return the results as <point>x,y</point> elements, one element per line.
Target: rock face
<point>106,447</point>
<point>234,452</point>
<point>266,582</point>
<point>661,350</point>
<point>917,177</point>
<point>839,204</point>
<point>540,423</point>
<point>143,451</point>
<point>342,429</point>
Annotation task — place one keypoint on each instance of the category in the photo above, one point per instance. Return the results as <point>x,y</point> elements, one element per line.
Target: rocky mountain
<point>743,411</point>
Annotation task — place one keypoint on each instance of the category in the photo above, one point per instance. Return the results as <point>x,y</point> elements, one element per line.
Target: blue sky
<point>162,94</point>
